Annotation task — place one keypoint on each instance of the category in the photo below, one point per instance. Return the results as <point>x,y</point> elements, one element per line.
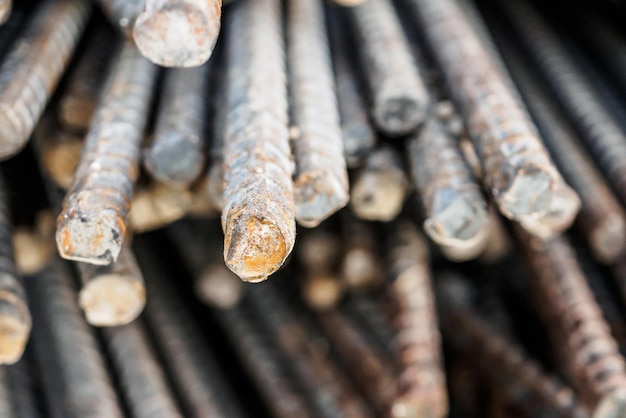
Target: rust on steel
<point>455,209</point>
<point>92,223</point>
<point>175,155</point>
<point>602,219</point>
<point>576,326</point>
<point>321,181</point>
<point>506,364</point>
<point>398,96</point>
<point>258,215</point>
<point>517,169</point>
<point>114,294</point>
<point>15,319</point>
<point>33,67</point>
<point>422,383</point>
<point>178,33</point>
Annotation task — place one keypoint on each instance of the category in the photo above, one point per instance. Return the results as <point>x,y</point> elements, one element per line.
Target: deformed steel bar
<point>575,324</point>
<point>33,67</point>
<point>114,294</point>
<point>326,387</point>
<point>422,384</point>
<point>175,155</point>
<point>517,170</point>
<point>398,97</point>
<point>602,220</point>
<point>122,13</point>
<point>321,178</point>
<point>92,223</point>
<point>197,379</point>
<point>521,378</point>
<point>140,376</point>
<point>455,208</point>
<point>15,318</point>
<point>258,216</point>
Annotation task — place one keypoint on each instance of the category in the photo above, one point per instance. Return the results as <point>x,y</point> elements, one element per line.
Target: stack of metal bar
<point>405,173</point>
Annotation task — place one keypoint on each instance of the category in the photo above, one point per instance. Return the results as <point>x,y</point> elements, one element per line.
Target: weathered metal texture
<point>368,367</point>
<point>264,364</point>
<point>5,10</point>
<point>399,100</point>
<point>517,169</point>
<point>114,294</point>
<point>576,94</point>
<point>325,386</point>
<point>578,331</point>
<point>176,154</point>
<point>123,13</point>
<point>140,376</point>
<point>197,380</point>
<point>258,215</point>
<point>422,383</point>
<point>178,33</point>
<point>506,364</point>
<point>357,133</point>
<point>455,209</point>
<point>321,181</point>
<point>92,224</point>
<point>380,186</point>
<point>32,69</point>
<point>602,219</point>
<point>15,319</point>
<point>82,93</point>
<point>75,379</point>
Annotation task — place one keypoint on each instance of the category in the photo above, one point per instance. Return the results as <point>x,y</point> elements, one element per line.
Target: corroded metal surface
<point>258,215</point>
<point>33,67</point>
<point>92,224</point>
<point>399,99</point>
<point>517,169</point>
<point>422,384</point>
<point>178,33</point>
<point>321,181</point>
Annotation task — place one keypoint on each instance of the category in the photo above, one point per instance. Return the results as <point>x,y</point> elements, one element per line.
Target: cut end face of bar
<point>563,207</point>
<point>612,405</point>
<point>96,239</point>
<point>177,36</point>
<point>608,239</point>
<point>15,326</point>
<point>217,286</point>
<point>322,292</point>
<point>317,195</point>
<point>456,222</point>
<point>399,113</point>
<point>111,300</point>
<point>178,164</point>
<point>527,192</point>
<point>254,247</point>
<point>378,197</point>
<point>405,407</point>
